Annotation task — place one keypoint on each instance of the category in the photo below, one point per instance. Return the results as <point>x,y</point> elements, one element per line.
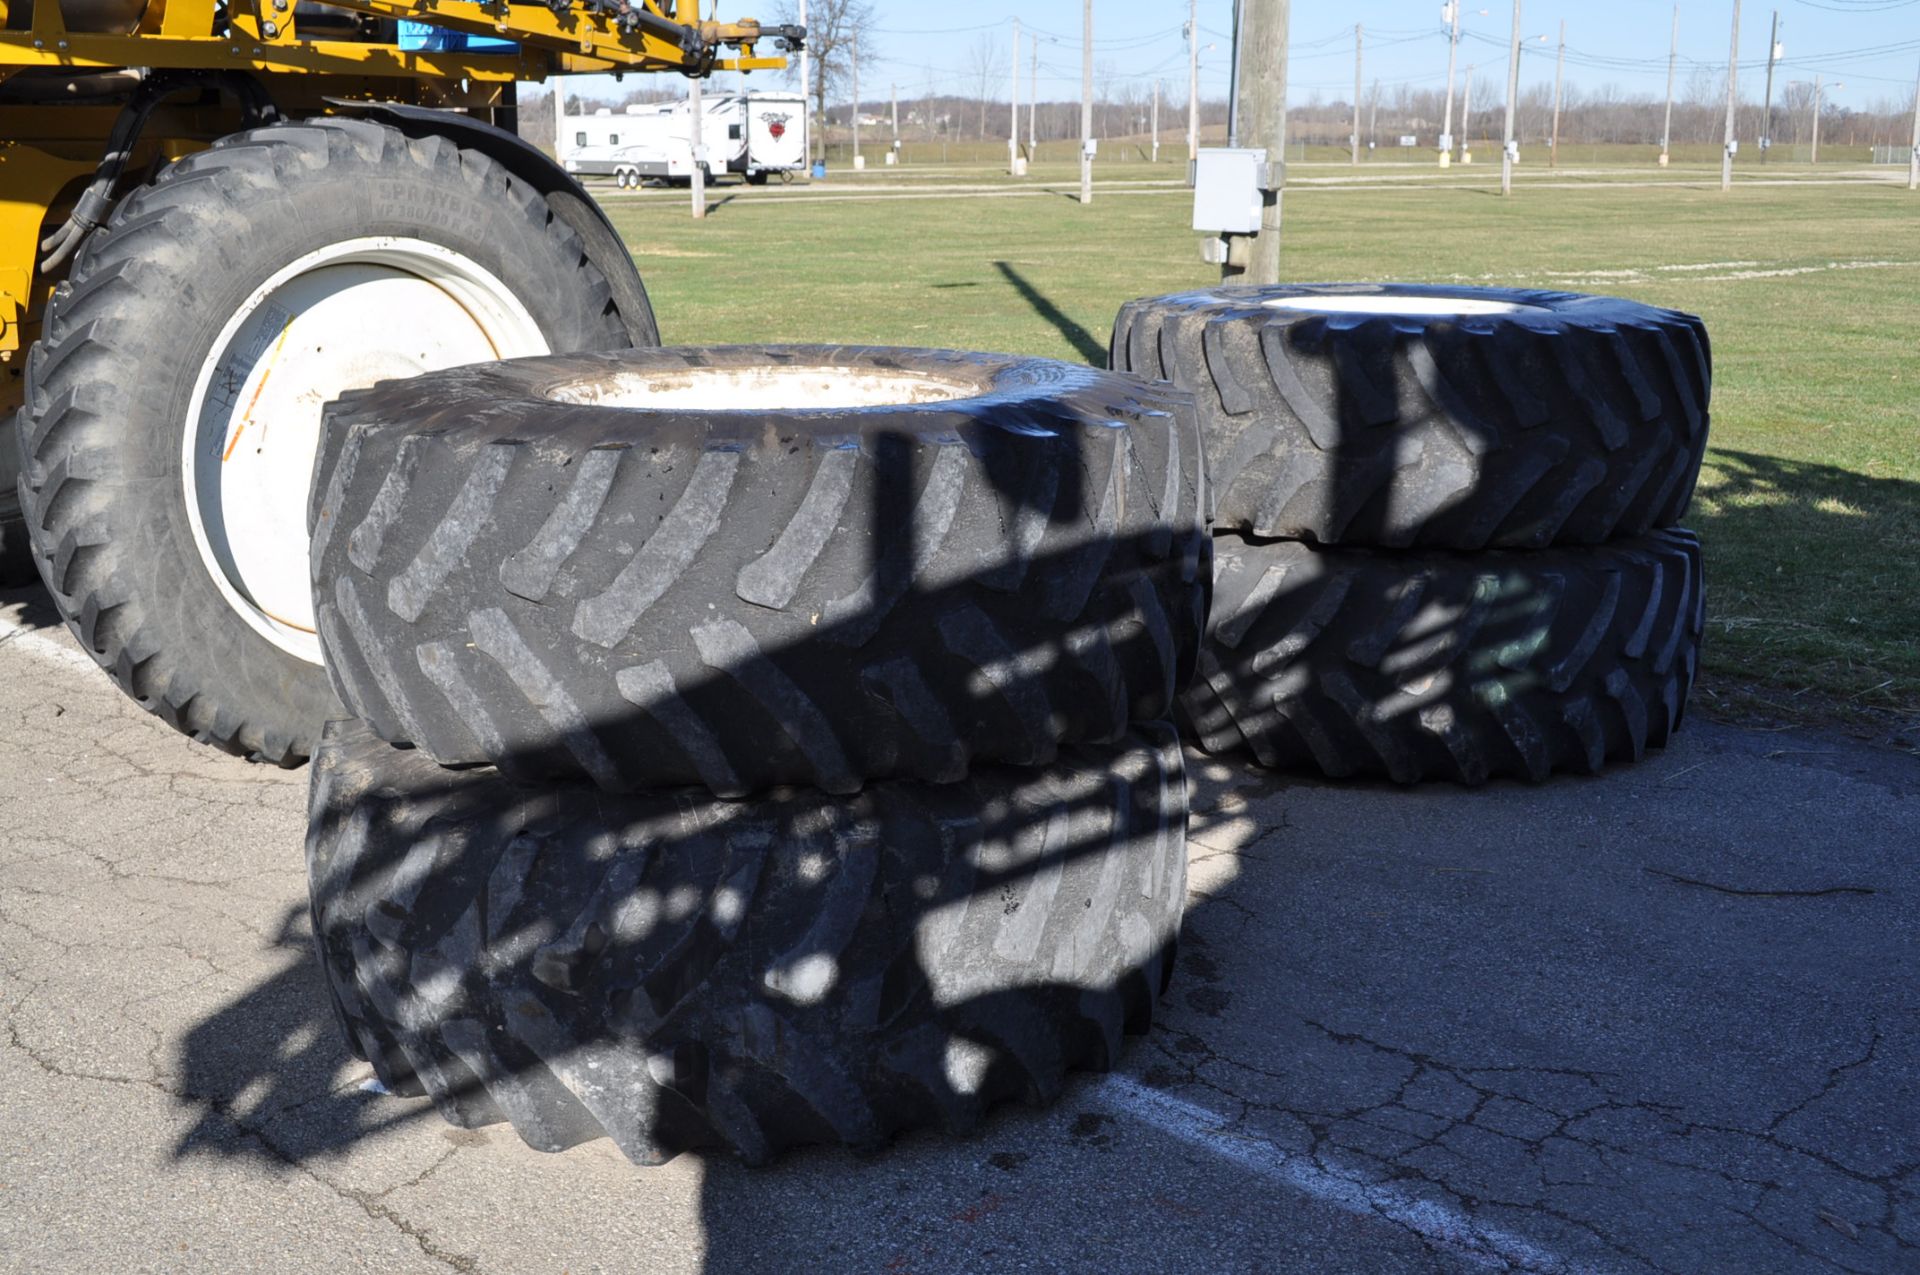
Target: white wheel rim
<point>762,388</point>
<point>339,318</point>
<point>1389,304</point>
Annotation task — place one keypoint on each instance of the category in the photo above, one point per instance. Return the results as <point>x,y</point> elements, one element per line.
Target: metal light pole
<point>856,99</point>
<point>1156,121</point>
<point>1559,72</point>
<point>1666,133</point>
<point>1260,115</point>
<point>806,84</point>
<point>1013,106</point>
<point>1816,118</point>
<point>1466,119</point>
<point>1452,10</point>
<point>1913,160</point>
<point>1033,101</point>
<point>1086,104</point>
<point>1359,43</point>
<point>696,109</point>
<point>559,120</point>
<point>1193,80</point>
<point>1733,101</point>
<point>1773,56</point>
<point>1513,90</point>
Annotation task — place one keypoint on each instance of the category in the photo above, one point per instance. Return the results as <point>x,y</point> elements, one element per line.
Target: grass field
<point>1810,506</point>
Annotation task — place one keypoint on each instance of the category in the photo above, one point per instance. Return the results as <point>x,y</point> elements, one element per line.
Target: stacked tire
<point>1447,521</point>
<point>754,745</point>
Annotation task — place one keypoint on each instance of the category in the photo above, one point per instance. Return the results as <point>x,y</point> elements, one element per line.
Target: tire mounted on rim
<point>752,565</point>
<point>1406,415</point>
<point>173,404</point>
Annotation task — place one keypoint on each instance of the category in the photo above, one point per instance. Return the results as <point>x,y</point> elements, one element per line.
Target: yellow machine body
<point>347,53</point>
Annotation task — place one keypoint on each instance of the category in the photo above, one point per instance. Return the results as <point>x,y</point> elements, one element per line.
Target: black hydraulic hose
<point>96,201</point>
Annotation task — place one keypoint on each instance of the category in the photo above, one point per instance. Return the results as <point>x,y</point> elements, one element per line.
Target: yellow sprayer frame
<point>49,151</point>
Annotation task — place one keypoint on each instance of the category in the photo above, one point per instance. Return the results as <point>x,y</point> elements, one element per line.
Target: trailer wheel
<point>174,403</point>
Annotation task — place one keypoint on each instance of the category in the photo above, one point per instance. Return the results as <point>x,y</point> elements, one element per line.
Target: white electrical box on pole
<point>1260,124</point>
<point>1359,42</point>
<point>1673,58</point>
<point>1559,73</point>
<point>695,109</point>
<point>1451,11</point>
<point>1733,103</point>
<point>1086,104</point>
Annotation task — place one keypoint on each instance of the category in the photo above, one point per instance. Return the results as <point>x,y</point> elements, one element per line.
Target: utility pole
<point>1913,160</point>
<point>1816,121</point>
<point>856,99</point>
<point>806,86</point>
<point>1559,72</point>
<point>1733,102</point>
<point>1013,107</point>
<point>1359,39</point>
<point>1155,155</point>
<point>1453,50</point>
<point>696,109</point>
<point>893,94</point>
<point>1666,133</point>
<point>1033,101</point>
<point>1513,91</point>
<point>1086,104</point>
<point>1466,120</point>
<point>559,120</point>
<point>1193,80</point>
<point>1260,116</point>
<point>1773,55</point>
<point>1373,121</point>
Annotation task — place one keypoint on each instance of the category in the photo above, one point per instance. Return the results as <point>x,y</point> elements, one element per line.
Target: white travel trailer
<point>754,134</point>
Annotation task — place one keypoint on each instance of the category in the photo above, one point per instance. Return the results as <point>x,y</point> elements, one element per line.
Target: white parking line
<point>1436,1223</point>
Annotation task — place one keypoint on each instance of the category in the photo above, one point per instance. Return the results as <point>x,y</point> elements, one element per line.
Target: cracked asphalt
<point>1665,1020</point>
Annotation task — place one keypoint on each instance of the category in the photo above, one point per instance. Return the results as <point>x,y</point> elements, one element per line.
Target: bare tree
<point>833,26</point>
<point>985,65</point>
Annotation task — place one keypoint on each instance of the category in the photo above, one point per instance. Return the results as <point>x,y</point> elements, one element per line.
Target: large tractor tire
<point>1407,415</point>
<point>16,556</point>
<point>173,403</point>
<point>675,971</point>
<point>751,565</point>
<point>1466,667</point>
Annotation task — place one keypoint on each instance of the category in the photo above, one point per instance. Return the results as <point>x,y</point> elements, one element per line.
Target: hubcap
<point>338,319</point>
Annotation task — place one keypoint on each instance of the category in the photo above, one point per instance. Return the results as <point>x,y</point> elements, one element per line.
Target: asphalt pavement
<point>1667,1019</point>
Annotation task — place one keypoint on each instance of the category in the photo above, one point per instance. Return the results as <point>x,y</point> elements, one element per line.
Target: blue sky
<point>1873,46</point>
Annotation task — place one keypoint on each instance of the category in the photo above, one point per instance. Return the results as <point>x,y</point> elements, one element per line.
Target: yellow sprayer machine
<point>217,215</point>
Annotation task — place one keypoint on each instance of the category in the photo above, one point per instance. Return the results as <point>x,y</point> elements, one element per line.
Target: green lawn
<point>1810,508</point>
